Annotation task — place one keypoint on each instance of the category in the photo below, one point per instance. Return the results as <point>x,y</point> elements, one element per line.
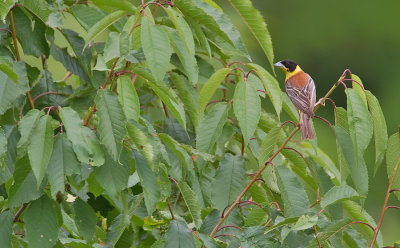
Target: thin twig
<point>19,212</point>
<point>170,210</point>
<point>316,237</point>
<point>48,93</point>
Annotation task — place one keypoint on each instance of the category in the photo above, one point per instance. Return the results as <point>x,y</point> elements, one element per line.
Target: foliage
<point>163,133</point>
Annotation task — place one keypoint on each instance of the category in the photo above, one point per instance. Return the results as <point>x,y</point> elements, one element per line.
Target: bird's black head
<point>289,65</point>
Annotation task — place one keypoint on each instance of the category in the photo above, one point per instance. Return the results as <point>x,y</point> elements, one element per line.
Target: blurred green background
<point>326,37</point>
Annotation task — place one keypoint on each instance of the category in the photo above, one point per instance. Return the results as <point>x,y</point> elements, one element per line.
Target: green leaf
<point>210,126</point>
<point>294,196</point>
<point>216,21</point>
<point>120,4</point>
<point>358,213</point>
<point>84,56</point>
<point>229,181</point>
<point>380,129</point>
<point>354,160</point>
<point>156,48</point>
<point>268,145</point>
<point>55,170</point>
<point>85,219</point>
<point>148,179</point>
<point>30,34</point>
<point>254,237</point>
<point>141,141</point>
<point>183,38</point>
<point>359,88</point>
<point>271,86</point>
<point>7,67</point>
<point>40,147</point>
<point>9,92</point>
<point>188,96</point>
<point>166,95</point>
<point>179,235</point>
<point>256,23</point>
<point>305,222</point>
<point>6,224</point>
<point>128,98</point>
<point>103,24</point>
<point>24,188</point>
<point>247,109</point>
<point>333,229</point>
<point>5,7</point>
<point>191,202</point>
<point>112,122</point>
<point>393,161</point>
<point>70,63</point>
<point>360,123</point>
<point>42,223</point>
<point>84,142</point>
<point>27,125</point>
<point>338,194</point>
<point>209,88</point>
<point>42,10</point>
<point>112,175</point>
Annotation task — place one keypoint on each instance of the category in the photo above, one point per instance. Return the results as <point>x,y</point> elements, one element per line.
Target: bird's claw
<point>320,102</point>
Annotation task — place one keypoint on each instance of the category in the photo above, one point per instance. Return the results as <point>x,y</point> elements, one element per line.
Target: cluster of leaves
<point>154,132</point>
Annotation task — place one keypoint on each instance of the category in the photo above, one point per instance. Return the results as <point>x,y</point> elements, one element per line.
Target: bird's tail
<point>305,127</point>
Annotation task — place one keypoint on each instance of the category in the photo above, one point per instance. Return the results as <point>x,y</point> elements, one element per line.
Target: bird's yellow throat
<point>289,74</point>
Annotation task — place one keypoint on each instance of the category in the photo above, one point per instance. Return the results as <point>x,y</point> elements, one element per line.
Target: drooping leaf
<point>380,129</point>
<point>268,145</point>
<point>103,24</point>
<point>337,194</point>
<point>229,181</point>
<point>166,96</point>
<point>6,224</point>
<point>84,56</point>
<point>360,123</point>
<point>128,98</point>
<point>179,235</point>
<point>112,175</point>
<point>271,86</point>
<point>41,223</point>
<point>247,108</point>
<point>188,96</point>
<point>393,161</point>
<point>183,44</point>
<point>148,179</point>
<point>84,142</point>
<point>55,170</point>
<point>27,125</point>
<point>305,222</point>
<point>256,23</point>
<point>40,147</point>
<point>142,142</point>
<point>191,202</point>
<point>209,88</point>
<point>156,48</point>
<point>42,10</point>
<point>354,160</point>
<point>85,219</point>
<point>358,213</point>
<point>31,37</point>
<point>112,122</point>
<point>294,196</point>
<point>210,127</point>
<point>9,92</point>
<point>70,63</point>
<point>24,188</point>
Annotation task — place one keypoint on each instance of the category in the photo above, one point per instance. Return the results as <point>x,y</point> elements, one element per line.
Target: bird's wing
<point>303,98</point>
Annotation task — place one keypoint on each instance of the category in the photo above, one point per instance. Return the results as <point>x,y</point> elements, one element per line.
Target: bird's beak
<point>279,64</point>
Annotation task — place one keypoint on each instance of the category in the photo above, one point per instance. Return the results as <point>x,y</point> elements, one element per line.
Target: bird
<point>301,90</point>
